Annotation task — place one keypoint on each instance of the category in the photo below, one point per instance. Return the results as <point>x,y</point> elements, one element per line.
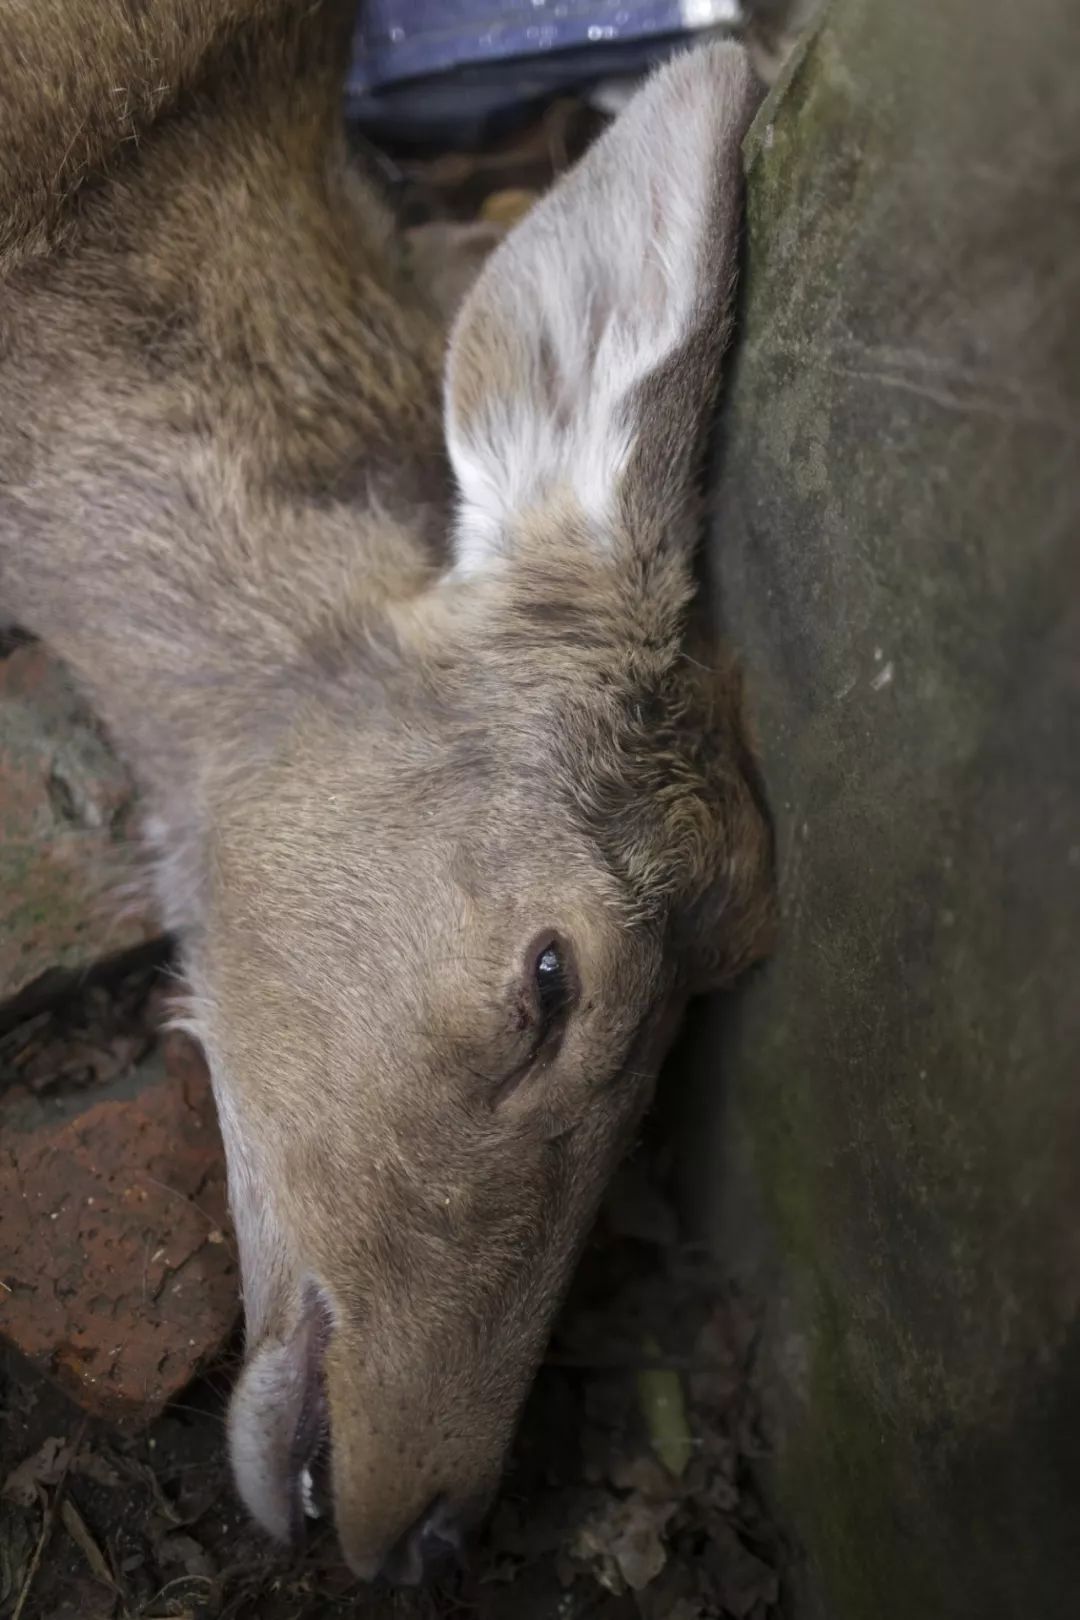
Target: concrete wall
<point>893,1145</point>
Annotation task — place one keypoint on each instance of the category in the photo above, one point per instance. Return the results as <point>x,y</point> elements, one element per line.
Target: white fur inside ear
<point>597,287</point>
<point>517,460</point>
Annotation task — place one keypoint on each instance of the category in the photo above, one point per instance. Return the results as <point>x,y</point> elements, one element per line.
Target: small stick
<point>49,1515</point>
<point>47,1521</point>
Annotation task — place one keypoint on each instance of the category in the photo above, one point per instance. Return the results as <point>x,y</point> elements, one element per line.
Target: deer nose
<point>431,1547</point>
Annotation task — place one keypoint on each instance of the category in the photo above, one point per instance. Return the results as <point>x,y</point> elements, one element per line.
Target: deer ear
<point>594,332</point>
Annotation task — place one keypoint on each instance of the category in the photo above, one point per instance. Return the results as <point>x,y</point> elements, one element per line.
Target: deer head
<point>452,915</point>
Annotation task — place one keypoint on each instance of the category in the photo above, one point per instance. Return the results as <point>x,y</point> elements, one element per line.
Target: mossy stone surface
<point>895,547</point>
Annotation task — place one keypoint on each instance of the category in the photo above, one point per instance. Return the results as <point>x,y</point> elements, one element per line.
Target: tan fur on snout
<point>408,705</point>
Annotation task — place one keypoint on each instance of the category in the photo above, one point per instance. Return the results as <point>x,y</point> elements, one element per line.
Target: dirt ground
<point>628,1494</point>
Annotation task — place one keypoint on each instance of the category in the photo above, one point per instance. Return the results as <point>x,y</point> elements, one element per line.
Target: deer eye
<point>555,986</point>
<point>549,988</point>
<point>552,988</point>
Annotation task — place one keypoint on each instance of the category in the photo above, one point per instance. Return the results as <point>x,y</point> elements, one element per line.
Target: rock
<point>118,1273</point>
<point>65,811</point>
<point>894,544</point>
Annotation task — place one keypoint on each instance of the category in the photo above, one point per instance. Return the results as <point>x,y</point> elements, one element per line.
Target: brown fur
<point>224,499</point>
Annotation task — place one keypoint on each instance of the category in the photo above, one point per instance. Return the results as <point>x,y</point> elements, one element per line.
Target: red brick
<point>117,1265</point>
<point>65,812</point>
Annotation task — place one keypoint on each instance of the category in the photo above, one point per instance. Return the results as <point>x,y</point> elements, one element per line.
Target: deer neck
<point>220,448</point>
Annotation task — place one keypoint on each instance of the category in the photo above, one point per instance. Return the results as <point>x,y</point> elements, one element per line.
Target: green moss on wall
<point>895,555</point>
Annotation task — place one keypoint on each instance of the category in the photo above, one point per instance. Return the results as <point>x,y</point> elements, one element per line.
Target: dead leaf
<point>742,1579</point>
<point>141,1473</point>
<point>684,1609</point>
<point>721,1493</point>
<point>505,208</point>
<point>643,1474</point>
<point>531,1531</point>
<point>93,1465</point>
<point>622,1543</point>
<point>46,1467</point>
<point>186,1552</point>
<point>75,1525</point>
